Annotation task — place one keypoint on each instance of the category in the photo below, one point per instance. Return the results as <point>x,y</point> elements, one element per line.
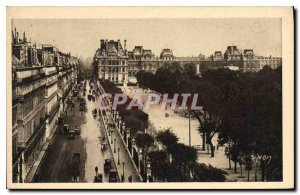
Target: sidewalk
<point>129,168</point>
<point>124,156</point>
<point>40,158</point>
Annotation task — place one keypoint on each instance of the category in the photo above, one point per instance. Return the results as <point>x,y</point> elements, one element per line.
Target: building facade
<point>35,101</point>
<point>110,61</point>
<point>143,59</point>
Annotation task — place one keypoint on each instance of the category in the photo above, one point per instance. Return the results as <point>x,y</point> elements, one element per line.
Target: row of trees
<point>176,161</point>
<point>135,119</point>
<point>243,108</point>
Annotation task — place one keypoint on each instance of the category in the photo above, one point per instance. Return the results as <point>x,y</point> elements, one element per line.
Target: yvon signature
<point>258,158</point>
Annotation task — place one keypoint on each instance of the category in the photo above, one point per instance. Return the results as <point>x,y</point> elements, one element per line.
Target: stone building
<point>36,101</point>
<point>141,59</point>
<point>273,62</point>
<point>218,56</point>
<point>110,61</point>
<point>108,58</point>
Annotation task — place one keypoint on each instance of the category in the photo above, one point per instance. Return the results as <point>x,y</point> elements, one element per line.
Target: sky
<point>186,37</point>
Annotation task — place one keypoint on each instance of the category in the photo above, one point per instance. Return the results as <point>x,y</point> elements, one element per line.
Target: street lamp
<point>170,158</point>
<point>115,145</point>
<point>128,132</point>
<point>190,142</point>
<point>140,152</point>
<point>123,128</point>
<point>118,156</point>
<point>109,130</point>
<point>123,163</point>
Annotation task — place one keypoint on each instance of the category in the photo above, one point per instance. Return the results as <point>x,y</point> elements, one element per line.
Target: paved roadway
<point>55,167</point>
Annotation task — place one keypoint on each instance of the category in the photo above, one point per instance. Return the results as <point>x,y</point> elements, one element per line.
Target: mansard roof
<point>110,48</point>
<point>166,52</point>
<point>232,50</point>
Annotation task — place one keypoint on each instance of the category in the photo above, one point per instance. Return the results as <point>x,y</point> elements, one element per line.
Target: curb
<point>118,130</point>
<point>109,144</point>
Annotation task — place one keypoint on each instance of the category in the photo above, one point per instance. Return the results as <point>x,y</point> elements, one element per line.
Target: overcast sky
<point>186,37</point>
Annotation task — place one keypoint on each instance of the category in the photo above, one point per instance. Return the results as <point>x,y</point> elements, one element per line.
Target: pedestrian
<point>130,179</point>
<point>150,178</point>
<point>96,170</point>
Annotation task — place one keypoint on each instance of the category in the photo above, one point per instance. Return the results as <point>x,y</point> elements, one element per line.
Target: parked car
<point>75,162</point>
<point>82,108</point>
<point>75,93</point>
<point>69,100</point>
<point>66,128</point>
<point>60,121</point>
<point>107,165</point>
<point>71,134</point>
<point>77,130</point>
<point>98,178</point>
<point>113,176</point>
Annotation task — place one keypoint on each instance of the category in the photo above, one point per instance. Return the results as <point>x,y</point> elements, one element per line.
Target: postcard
<point>150,98</point>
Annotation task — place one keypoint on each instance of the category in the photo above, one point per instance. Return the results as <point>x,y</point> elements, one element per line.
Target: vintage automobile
<point>60,121</point>
<point>75,93</point>
<point>90,97</point>
<point>113,176</point>
<point>66,128</point>
<point>77,130</point>
<point>98,178</point>
<point>71,134</point>
<point>103,143</point>
<point>107,165</point>
<point>94,113</point>
<point>50,145</point>
<point>82,108</point>
<point>69,100</point>
<point>75,162</point>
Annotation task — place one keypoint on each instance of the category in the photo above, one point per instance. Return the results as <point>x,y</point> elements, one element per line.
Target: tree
<point>159,163</point>
<point>248,166</point>
<point>183,156</point>
<point>208,117</point>
<point>190,69</point>
<point>167,138</point>
<point>144,140</point>
<point>134,124</point>
<point>207,173</point>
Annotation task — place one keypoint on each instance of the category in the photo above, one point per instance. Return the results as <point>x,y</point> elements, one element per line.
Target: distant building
<point>141,59</point>
<point>273,62</point>
<point>110,61</point>
<point>218,56</point>
<point>167,55</point>
<point>120,66</point>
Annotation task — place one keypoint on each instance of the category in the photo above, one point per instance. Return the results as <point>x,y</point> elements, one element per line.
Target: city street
<point>56,165</point>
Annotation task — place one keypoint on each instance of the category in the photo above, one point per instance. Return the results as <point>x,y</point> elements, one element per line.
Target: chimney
<point>101,43</point>
<point>24,37</point>
<point>125,44</point>
<point>13,37</point>
<point>17,37</point>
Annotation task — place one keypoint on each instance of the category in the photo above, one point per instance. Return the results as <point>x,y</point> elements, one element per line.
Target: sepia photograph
<point>144,98</point>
